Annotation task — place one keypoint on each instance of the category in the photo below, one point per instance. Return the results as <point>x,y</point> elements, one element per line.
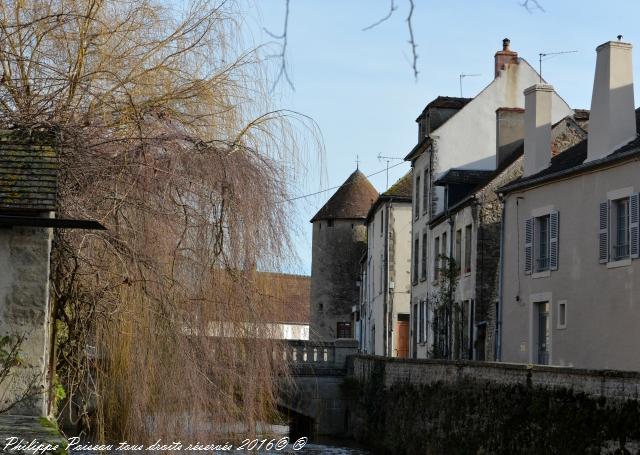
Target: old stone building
<point>339,241</point>
<point>468,233</point>
<point>460,133</point>
<point>570,269</point>
<point>385,277</point>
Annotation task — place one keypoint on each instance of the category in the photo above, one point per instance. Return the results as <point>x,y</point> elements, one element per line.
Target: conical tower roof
<point>351,201</point>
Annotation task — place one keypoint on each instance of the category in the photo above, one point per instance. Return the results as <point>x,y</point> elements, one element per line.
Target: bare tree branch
<point>392,8</point>
<point>531,5</point>
<point>412,41</point>
<point>282,72</point>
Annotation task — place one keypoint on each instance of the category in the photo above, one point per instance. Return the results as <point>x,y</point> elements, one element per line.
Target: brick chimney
<point>537,128</point>
<point>504,57</point>
<point>612,122</point>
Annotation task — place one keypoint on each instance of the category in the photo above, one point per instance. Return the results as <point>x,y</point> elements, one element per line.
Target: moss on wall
<point>484,418</point>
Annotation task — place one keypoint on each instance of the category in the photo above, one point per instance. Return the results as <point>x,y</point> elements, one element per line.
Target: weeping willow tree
<point>166,136</point>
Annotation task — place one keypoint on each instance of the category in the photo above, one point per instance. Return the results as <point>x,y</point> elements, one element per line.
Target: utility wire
<point>336,187</point>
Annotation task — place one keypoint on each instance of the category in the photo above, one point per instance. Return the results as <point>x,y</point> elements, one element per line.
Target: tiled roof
<point>351,201</point>
<point>401,191</point>
<point>573,159</point>
<point>28,173</point>
<point>402,188</point>
<point>289,295</point>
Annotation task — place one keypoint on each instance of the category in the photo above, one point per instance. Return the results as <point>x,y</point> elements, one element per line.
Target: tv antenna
<point>462,76</point>
<point>388,159</point>
<point>542,55</point>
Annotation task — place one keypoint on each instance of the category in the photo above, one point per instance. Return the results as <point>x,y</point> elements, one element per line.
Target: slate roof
<point>463,177</point>
<point>351,201</point>
<point>572,160</point>
<point>445,102</point>
<point>28,173</point>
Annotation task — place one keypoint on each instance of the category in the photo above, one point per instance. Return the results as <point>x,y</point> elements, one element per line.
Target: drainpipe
<point>387,295</point>
<point>451,326</point>
<point>498,328</point>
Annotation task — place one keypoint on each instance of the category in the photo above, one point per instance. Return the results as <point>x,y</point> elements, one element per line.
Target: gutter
<point>498,328</point>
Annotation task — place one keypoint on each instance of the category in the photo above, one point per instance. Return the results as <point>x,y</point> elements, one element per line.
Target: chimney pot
<point>504,57</point>
<point>612,121</point>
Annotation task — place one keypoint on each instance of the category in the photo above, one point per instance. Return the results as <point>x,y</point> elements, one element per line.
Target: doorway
<point>402,340</point>
<point>543,333</point>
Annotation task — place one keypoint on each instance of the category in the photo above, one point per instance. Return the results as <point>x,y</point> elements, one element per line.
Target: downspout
<point>498,328</point>
<point>387,294</point>
<point>451,325</point>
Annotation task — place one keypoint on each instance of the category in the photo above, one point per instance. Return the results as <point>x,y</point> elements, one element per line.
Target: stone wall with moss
<point>436,407</point>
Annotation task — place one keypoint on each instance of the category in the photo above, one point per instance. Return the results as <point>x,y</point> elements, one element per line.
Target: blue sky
<point>359,87</point>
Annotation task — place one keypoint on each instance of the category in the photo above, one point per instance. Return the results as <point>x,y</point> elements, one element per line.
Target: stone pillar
<point>25,312</point>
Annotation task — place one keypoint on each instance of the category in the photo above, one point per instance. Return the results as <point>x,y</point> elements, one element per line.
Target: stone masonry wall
<point>24,312</point>
<point>434,406</point>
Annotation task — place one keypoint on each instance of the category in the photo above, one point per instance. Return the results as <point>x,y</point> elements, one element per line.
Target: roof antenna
<point>541,55</point>
<point>387,159</point>
<point>462,76</point>
<point>619,37</point>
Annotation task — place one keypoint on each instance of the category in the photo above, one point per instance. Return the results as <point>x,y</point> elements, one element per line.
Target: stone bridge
<point>312,397</point>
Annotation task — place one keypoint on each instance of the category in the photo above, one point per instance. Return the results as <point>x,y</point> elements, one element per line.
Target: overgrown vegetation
<point>165,135</point>
<point>15,389</point>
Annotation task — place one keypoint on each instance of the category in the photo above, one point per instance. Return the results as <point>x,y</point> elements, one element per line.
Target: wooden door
<point>402,342</point>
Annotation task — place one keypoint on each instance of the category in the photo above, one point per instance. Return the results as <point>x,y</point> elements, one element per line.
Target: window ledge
<point>424,278</point>
<point>466,274</point>
<point>543,274</point>
<point>621,263</point>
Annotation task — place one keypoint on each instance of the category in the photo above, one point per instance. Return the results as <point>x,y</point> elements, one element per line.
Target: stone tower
<point>339,241</point>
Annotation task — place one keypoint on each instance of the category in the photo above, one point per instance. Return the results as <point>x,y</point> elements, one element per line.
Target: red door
<point>402,343</point>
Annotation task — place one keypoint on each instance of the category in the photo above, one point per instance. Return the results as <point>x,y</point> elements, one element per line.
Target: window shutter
<point>603,236</point>
<point>553,240</point>
<point>528,246</point>
<point>634,218</point>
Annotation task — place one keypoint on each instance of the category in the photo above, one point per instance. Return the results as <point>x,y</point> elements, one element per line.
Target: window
<point>381,222</point>
<point>620,228</point>
<point>330,223</point>
<point>344,330</point>
<point>562,315</point>
<point>436,258</point>
<point>444,249</point>
<point>423,263</point>
<point>467,249</point>
<point>458,247</point>
<point>417,203</point>
<point>619,236</point>
<point>542,241</point>
<point>421,323</point>
<point>382,267</point>
<point>425,191</point>
<point>416,252</point>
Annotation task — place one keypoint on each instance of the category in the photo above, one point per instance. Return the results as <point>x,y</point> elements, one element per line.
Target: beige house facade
<point>570,293</point>
<point>458,133</point>
<point>385,274</point>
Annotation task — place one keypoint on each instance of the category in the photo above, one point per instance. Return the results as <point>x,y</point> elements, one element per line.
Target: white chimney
<point>612,122</point>
<point>537,128</point>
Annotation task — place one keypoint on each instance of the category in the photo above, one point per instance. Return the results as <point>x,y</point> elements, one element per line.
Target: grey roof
<point>572,161</point>
<point>463,177</point>
<point>28,172</point>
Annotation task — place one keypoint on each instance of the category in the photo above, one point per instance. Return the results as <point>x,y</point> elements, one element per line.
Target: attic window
<point>330,223</point>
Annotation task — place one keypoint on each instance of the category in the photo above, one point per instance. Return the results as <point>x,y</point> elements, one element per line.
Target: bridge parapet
<point>329,354</point>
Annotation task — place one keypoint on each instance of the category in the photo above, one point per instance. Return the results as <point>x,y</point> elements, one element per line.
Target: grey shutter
<point>603,236</point>
<point>634,217</point>
<point>553,240</point>
<point>528,246</point>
